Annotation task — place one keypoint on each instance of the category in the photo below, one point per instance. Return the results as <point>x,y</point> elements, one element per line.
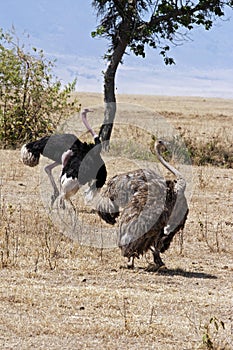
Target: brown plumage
<point>149,208</point>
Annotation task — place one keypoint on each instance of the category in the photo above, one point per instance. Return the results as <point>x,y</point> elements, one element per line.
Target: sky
<point>62,28</point>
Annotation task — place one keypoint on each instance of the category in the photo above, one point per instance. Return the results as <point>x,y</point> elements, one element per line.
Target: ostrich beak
<point>87,110</point>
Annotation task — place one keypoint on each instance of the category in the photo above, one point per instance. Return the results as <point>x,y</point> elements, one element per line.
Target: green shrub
<point>216,151</point>
<point>32,101</point>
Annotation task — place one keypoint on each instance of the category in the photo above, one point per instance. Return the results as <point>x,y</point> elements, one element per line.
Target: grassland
<point>58,294</point>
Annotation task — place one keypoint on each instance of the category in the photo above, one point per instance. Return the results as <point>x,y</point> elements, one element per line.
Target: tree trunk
<point>109,107</point>
<point>109,87</point>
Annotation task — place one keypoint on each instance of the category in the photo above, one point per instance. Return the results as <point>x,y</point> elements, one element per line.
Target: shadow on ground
<point>184,273</point>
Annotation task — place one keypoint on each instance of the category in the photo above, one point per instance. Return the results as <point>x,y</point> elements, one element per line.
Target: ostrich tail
<point>90,193</point>
<point>107,209</point>
<point>30,152</point>
<point>28,157</point>
<point>110,218</point>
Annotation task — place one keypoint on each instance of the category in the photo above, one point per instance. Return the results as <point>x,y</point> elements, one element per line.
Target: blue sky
<point>204,65</point>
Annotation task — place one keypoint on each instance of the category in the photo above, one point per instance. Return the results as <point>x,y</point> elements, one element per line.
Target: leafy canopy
<point>153,23</point>
<point>32,101</point>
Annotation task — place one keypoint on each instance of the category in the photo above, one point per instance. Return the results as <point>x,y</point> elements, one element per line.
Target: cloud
<point>149,79</point>
<point>87,70</point>
<point>141,78</point>
<point>204,64</point>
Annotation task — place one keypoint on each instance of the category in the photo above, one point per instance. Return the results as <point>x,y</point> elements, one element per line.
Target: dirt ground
<point>56,293</point>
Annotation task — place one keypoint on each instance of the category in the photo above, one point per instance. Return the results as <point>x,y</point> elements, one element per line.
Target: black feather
<point>86,164</point>
<point>58,144</point>
<point>110,218</point>
<point>53,146</point>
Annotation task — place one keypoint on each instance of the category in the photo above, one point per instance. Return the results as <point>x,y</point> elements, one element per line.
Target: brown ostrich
<point>150,210</point>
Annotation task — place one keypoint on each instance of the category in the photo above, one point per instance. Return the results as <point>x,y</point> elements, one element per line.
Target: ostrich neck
<point>181,182</point>
<point>167,165</point>
<point>87,125</point>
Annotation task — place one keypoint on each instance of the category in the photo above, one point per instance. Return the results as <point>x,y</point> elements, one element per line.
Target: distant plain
<point>58,294</point>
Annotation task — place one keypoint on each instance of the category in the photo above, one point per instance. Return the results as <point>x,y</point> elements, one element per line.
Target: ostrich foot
<point>158,262</point>
<point>129,267</point>
<point>130,264</point>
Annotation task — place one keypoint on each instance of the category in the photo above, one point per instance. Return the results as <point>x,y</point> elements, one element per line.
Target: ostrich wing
<point>84,164</point>
<point>143,212</point>
<point>57,144</point>
<point>179,212</point>
<point>119,192</point>
<point>107,209</point>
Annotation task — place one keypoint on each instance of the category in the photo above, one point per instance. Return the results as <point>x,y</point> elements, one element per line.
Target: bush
<point>217,151</point>
<point>32,101</point>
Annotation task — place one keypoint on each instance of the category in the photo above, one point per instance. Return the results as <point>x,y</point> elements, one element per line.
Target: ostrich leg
<point>48,169</point>
<point>158,263</point>
<point>130,263</point>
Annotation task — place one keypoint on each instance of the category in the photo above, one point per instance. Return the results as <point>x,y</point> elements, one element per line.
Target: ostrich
<point>60,148</point>
<point>153,210</point>
<point>81,166</point>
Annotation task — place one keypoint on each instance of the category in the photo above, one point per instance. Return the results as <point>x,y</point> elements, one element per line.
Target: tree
<point>134,24</point>
<point>32,100</point>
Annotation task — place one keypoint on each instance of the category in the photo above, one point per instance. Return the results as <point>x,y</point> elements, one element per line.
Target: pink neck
<point>85,122</point>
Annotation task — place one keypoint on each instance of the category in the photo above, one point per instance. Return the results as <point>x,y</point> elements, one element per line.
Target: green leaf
<point>32,100</point>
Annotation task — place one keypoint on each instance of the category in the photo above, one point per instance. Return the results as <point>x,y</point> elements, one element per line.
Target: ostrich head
<point>86,110</point>
<point>160,145</point>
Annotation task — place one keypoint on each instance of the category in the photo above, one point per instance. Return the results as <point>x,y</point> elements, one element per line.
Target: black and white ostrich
<point>149,208</point>
<point>60,148</point>
<point>83,165</point>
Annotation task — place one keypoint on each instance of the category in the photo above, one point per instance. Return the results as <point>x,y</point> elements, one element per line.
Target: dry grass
<point>57,294</point>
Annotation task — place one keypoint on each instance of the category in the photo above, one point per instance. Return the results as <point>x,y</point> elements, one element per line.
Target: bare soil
<point>58,294</point>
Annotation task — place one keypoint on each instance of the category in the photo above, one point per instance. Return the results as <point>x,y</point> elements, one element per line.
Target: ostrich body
<point>52,147</point>
<point>59,148</point>
<point>83,165</point>
<point>151,210</point>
